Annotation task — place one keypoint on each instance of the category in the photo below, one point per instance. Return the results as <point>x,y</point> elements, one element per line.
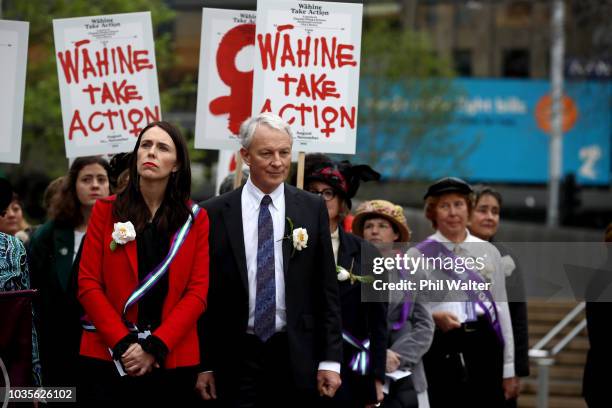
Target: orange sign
<point>543,113</point>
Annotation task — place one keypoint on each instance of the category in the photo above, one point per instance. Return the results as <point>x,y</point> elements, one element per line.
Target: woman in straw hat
<point>410,322</point>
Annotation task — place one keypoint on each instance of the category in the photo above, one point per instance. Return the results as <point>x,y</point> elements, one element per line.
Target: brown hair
<point>64,206</point>
<point>432,201</point>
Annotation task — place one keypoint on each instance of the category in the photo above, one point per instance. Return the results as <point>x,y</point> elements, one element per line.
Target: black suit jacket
<point>363,320</point>
<point>311,289</point>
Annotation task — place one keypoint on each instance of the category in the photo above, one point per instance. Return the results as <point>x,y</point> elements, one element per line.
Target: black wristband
<point>123,344</point>
<point>156,347</point>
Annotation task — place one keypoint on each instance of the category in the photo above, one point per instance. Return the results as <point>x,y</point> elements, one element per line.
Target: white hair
<point>249,126</point>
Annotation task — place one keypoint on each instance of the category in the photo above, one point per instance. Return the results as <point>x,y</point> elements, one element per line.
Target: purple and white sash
<point>154,276</point>
<point>361,359</point>
<point>431,249</point>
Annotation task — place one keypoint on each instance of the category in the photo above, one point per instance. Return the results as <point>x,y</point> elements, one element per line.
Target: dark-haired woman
<point>484,222</point>
<point>143,281</point>
<point>52,252</point>
<point>364,324</point>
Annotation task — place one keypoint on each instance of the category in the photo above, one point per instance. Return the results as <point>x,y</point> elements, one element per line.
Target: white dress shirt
<point>479,247</point>
<point>251,201</point>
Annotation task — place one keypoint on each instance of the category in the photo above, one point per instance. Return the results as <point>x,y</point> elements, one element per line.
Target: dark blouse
<point>152,249</point>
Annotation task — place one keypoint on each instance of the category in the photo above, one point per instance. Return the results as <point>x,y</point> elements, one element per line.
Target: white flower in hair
<point>123,232</point>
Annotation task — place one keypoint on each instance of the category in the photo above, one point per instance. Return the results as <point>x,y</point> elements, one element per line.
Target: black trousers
<point>401,395</point>
<point>262,377</point>
<point>464,367</point>
<point>101,385</point>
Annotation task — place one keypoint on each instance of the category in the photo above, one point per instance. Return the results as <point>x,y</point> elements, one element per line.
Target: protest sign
<point>306,70</point>
<point>225,80</point>
<point>108,81</point>
<point>13,58</point>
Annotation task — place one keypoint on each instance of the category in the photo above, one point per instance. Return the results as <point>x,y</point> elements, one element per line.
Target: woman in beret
<point>472,354</point>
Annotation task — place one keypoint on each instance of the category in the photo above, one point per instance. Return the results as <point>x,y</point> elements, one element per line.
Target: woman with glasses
<point>337,183</point>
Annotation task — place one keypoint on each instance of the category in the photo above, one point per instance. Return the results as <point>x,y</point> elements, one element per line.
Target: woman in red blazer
<point>153,339</point>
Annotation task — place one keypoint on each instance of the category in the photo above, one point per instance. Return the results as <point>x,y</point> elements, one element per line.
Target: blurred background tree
<point>407,102</point>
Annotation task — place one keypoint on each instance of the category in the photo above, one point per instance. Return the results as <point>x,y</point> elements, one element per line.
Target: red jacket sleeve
<point>184,315</point>
<point>98,308</point>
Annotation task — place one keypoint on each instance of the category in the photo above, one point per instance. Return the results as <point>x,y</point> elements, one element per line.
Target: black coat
<point>311,289</point>
<point>363,320</point>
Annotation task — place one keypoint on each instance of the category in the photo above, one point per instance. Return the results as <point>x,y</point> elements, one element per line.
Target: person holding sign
<point>143,280</point>
<point>271,333</point>
<point>473,348</point>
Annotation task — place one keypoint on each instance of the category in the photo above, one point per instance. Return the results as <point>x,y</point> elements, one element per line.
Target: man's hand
<point>137,362</point>
<point>328,382</point>
<point>206,386</point>
<point>393,361</point>
<point>512,387</point>
<point>380,395</point>
<point>446,321</point>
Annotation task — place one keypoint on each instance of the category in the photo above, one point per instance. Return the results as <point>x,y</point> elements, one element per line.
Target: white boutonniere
<point>123,232</point>
<point>297,236</point>
<point>343,275</point>
<point>507,265</point>
<point>488,271</point>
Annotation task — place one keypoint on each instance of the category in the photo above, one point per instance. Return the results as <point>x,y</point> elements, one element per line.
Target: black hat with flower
<point>343,177</point>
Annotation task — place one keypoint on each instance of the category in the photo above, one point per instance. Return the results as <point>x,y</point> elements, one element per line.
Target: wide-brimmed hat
<point>448,185</point>
<point>6,194</point>
<point>342,176</point>
<point>381,209</point>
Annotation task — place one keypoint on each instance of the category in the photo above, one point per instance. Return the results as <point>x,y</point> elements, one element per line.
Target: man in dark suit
<point>271,333</point>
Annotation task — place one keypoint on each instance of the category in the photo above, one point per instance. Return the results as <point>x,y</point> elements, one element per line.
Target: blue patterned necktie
<point>265,298</point>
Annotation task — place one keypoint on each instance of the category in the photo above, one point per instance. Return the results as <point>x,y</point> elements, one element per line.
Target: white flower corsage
<point>507,265</point>
<point>343,275</point>
<point>300,238</point>
<point>123,233</point>
<point>297,236</point>
<point>487,271</point>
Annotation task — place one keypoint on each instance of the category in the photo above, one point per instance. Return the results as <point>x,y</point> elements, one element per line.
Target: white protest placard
<point>307,59</point>
<point>108,81</point>
<point>225,80</point>
<point>13,60</point>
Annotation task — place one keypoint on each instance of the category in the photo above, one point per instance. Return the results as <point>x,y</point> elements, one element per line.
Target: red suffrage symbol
<point>238,102</point>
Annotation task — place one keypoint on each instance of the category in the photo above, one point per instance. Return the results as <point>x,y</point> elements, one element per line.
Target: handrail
<point>537,351</point>
<point>546,358</point>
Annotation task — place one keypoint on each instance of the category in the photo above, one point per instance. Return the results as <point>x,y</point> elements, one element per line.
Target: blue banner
<point>497,131</point>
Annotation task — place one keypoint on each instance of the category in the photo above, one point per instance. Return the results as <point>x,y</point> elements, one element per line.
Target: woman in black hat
<point>473,349</point>
<point>363,323</point>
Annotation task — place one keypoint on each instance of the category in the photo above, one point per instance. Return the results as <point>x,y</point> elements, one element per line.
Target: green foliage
<point>408,94</point>
<point>43,141</point>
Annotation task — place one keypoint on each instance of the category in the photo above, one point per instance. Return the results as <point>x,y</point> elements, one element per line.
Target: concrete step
<point>530,401</point>
<point>580,343</point>
<point>561,372</point>
<point>557,388</point>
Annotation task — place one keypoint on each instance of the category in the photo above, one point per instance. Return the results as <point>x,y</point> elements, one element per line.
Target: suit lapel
<point>291,211</point>
<point>232,215</point>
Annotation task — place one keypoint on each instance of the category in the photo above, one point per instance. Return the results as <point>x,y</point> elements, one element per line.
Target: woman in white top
<point>472,354</point>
